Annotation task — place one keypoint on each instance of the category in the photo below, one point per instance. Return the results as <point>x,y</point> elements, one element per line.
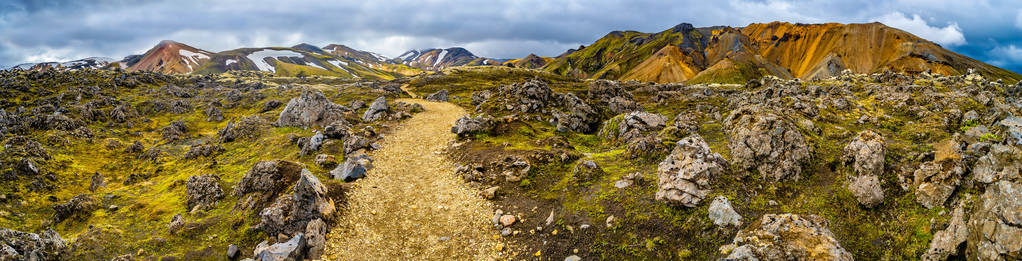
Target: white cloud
<point>950,35</point>
<point>1018,19</point>
<point>1004,55</point>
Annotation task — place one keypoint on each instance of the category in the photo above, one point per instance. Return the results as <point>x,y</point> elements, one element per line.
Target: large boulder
<point>78,207</point>
<point>786,237</point>
<point>310,109</point>
<point>439,96</point>
<point>684,176</point>
<point>1002,162</point>
<point>353,168</point>
<point>291,250</point>
<point>935,180</point>
<point>762,140</point>
<point>1011,130</point>
<point>632,125</point>
<point>946,242</point>
<point>16,245</point>
<point>467,125</point>
<point>291,213</point>
<point>995,228</point>
<point>245,128</point>
<point>577,117</point>
<point>377,110</point>
<point>203,191</point>
<point>866,190</point>
<point>866,153</point>
<point>265,181</point>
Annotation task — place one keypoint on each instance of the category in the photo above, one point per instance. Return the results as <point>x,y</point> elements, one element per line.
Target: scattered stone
<point>786,237</point>
<point>26,167</point>
<point>204,151</point>
<point>292,213</point>
<point>480,97</point>
<point>271,105</point>
<point>439,96</point>
<point>722,214</point>
<point>587,170</point>
<point>325,161</point>
<point>867,190</point>
<point>866,153</point>
<point>337,130</point>
<point>312,144</point>
<point>610,222</point>
<point>376,110</point>
<point>946,242</point>
<point>265,181</point>
<point>762,140</point>
<point>232,251</point>
<point>293,249</point>
<point>507,220</point>
<point>684,176</point>
<point>246,128</point>
<point>1011,129</point>
<point>573,258</point>
<point>466,125</point>
<point>203,191</point>
<point>175,131</point>
<point>97,182</point>
<point>16,245</point>
<point>995,226</point>
<point>1002,162</point>
<point>490,192</point>
<point>936,180</point>
<point>353,168</point>
<point>316,232</point>
<point>78,207</point>
<point>214,114</point>
<point>309,110</point>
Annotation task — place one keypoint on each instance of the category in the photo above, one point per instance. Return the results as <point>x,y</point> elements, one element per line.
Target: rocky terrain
<point>306,153</point>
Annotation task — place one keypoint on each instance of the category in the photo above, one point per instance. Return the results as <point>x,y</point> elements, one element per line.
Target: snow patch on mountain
<point>230,61</point>
<point>259,58</point>
<point>440,57</point>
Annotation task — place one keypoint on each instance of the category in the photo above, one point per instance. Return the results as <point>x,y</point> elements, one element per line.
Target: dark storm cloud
<point>33,31</point>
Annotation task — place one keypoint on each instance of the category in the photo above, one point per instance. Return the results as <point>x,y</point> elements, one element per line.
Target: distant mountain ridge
<point>682,53</point>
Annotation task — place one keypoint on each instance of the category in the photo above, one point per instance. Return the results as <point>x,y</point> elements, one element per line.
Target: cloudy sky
<point>35,31</point>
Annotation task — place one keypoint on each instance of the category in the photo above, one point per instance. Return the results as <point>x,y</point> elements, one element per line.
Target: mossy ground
<point>645,229</point>
<point>133,218</point>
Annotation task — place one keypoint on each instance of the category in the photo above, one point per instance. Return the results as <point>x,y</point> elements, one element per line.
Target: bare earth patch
<point>412,205</point>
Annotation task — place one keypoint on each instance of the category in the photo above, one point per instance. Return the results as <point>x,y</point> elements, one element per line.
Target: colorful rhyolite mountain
<point>680,54</point>
<point>734,55</point>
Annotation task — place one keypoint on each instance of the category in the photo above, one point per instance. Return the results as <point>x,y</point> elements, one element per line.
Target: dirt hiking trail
<point>411,205</point>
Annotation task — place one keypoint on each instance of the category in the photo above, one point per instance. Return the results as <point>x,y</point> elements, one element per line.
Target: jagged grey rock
<point>786,237</point>
<point>439,96</point>
<point>684,176</point>
<point>203,191</point>
<point>866,190</point>
<point>309,110</point>
<point>467,125</point>
<point>995,227</point>
<point>291,213</point>
<point>377,110</point>
<point>723,214</point>
<point>866,153</point>
<point>293,249</point>
<point>17,245</point>
<point>762,140</point>
<point>946,242</point>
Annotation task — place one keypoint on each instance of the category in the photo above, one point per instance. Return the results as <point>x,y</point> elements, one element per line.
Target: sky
<point>62,30</point>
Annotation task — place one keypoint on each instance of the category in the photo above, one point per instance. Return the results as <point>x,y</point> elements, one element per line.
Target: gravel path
<point>412,206</point>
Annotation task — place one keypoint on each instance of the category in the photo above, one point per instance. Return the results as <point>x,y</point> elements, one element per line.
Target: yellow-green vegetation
<point>142,194</point>
<point>898,229</point>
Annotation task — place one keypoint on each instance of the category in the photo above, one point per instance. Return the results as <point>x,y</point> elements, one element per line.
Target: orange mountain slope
<point>171,57</point>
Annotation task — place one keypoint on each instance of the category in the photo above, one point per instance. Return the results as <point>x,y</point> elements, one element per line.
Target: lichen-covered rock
<point>645,146</point>
<point>723,214</point>
<point>610,94</point>
<point>203,191</point>
<point>1011,130</point>
<point>337,130</point>
<point>762,140</point>
<point>203,151</point>
<point>325,161</point>
<point>291,213</point>
<point>684,176</point>
<point>174,131</point>
<point>291,250</point>
<point>353,168</point>
<point>786,237</point>
<point>1002,162</point>
<point>265,180</point>
<point>481,97</point>
<point>316,232</point>
<point>311,145</point>
<point>934,181</point>
<point>309,110</point>
<point>79,206</point>
<point>467,125</point>
<point>995,227</point>
<point>17,245</point>
<point>866,153</point>
<point>866,190</point>
<point>438,96</point>
<point>587,170</point>
<point>377,110</point>
<point>245,128</point>
<point>946,242</point>
<point>633,125</point>
<point>578,117</point>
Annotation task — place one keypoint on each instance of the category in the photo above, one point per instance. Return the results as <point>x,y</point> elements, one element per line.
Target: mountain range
<point>683,53</point>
